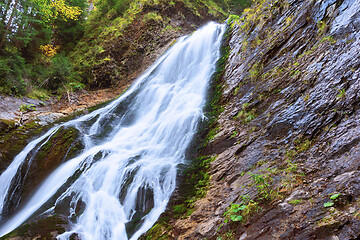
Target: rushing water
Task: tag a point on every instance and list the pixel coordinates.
(127, 169)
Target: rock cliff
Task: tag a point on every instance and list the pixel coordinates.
(287, 144)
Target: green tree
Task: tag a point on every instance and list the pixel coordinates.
(67, 33)
(26, 26)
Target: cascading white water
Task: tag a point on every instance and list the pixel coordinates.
(127, 169)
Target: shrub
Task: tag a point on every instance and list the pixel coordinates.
(243, 211)
(58, 73)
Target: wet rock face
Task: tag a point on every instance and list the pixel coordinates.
(41, 161)
(292, 113)
(348, 19)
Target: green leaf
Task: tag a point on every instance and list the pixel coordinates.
(236, 218)
(328, 204)
(335, 196)
(242, 207)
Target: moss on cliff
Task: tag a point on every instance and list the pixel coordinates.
(45, 229)
(20, 136)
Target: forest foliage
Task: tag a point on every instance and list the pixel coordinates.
(47, 46)
(36, 36)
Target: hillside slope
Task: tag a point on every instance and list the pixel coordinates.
(115, 50)
(118, 43)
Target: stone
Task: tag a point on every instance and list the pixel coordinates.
(305, 93)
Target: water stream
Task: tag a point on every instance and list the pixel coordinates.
(126, 172)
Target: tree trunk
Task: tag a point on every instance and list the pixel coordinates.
(8, 24)
(6, 11)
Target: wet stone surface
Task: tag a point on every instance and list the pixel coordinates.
(292, 112)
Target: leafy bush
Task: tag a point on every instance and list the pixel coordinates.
(58, 73)
(241, 212)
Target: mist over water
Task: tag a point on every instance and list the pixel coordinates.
(121, 182)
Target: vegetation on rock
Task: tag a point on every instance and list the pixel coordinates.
(113, 44)
(286, 141)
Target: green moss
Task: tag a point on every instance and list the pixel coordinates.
(301, 145)
(210, 135)
(21, 136)
(233, 19)
(6, 126)
(341, 94)
(322, 27)
(229, 235)
(43, 227)
(152, 16)
(171, 28)
(60, 147)
(329, 39)
(246, 115)
(288, 20)
(295, 201)
(273, 73)
(39, 94)
(215, 100)
(158, 231)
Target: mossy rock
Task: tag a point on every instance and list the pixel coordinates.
(63, 145)
(15, 140)
(6, 126)
(45, 229)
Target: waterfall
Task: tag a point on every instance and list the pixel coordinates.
(126, 172)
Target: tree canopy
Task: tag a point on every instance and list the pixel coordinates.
(39, 39)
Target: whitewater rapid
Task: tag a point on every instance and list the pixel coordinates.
(123, 178)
